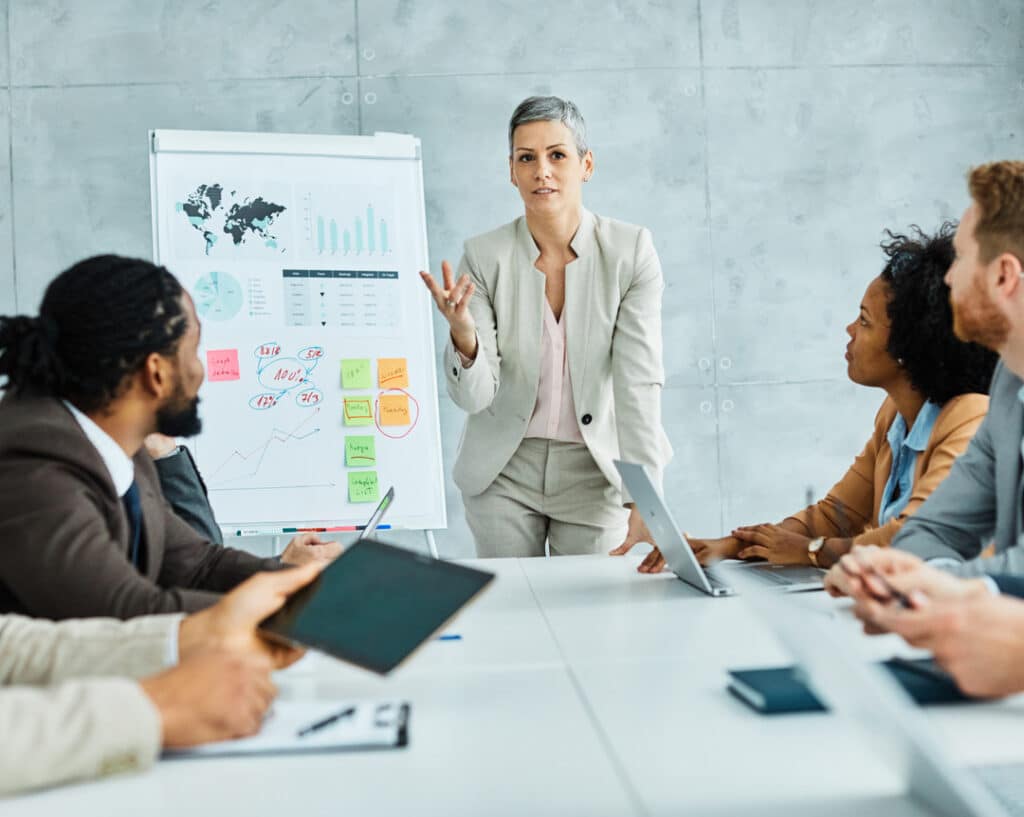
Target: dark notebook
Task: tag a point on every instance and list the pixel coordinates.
(780, 690)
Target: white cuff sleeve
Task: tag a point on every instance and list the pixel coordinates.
(171, 657)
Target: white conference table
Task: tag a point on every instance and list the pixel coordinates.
(579, 687)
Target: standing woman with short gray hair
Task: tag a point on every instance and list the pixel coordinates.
(555, 352)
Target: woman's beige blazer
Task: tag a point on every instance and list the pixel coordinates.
(612, 314)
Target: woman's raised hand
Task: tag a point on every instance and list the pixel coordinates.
(452, 301)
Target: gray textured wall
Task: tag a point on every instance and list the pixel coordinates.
(765, 142)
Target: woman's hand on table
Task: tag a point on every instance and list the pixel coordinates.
(636, 532)
(709, 551)
(774, 543)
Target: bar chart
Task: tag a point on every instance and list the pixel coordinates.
(336, 225)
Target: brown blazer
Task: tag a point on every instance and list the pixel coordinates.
(851, 507)
(64, 533)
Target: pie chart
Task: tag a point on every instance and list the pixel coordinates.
(218, 296)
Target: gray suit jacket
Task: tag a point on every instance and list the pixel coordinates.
(184, 489)
(81, 728)
(980, 501)
(64, 533)
(1010, 585)
(612, 317)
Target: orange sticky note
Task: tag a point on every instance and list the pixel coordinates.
(392, 373)
(394, 410)
(221, 365)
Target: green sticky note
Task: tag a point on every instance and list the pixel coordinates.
(355, 374)
(358, 411)
(360, 452)
(363, 487)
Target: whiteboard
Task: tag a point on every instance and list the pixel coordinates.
(301, 255)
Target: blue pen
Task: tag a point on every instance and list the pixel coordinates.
(450, 637)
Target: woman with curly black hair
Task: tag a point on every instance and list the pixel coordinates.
(902, 341)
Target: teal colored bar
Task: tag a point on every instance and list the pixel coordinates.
(383, 236)
(320, 233)
(371, 242)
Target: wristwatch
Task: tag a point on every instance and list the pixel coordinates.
(814, 547)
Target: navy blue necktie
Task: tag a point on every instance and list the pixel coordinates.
(133, 508)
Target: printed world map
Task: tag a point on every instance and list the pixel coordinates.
(245, 219)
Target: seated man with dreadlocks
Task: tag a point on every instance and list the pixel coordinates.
(84, 527)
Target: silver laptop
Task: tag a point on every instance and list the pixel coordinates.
(856, 689)
(680, 557)
(378, 516)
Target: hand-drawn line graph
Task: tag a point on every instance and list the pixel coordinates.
(246, 465)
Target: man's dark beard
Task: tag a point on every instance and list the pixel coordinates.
(177, 420)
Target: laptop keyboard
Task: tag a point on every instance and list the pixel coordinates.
(771, 576)
(780, 575)
(791, 574)
(1006, 782)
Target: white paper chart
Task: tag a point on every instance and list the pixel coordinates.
(301, 255)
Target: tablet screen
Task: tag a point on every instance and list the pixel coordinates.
(375, 604)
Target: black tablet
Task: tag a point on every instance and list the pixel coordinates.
(375, 604)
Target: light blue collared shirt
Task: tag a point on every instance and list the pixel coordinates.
(905, 448)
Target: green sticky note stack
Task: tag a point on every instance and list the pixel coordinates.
(360, 452)
(355, 374)
(363, 486)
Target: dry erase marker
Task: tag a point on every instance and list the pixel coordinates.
(315, 727)
(449, 637)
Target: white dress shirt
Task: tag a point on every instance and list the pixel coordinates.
(119, 464)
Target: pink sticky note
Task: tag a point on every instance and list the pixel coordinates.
(221, 365)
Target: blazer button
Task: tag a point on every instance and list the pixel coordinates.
(585, 419)
(455, 372)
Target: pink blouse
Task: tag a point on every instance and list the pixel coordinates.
(554, 415)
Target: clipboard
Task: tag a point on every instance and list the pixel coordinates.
(373, 725)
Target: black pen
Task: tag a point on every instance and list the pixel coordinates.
(894, 595)
(901, 598)
(314, 727)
